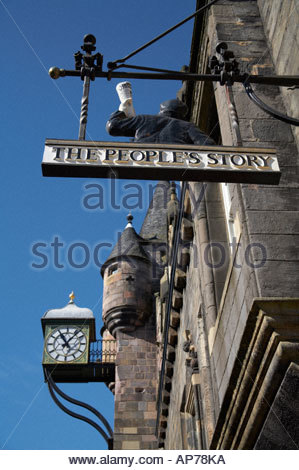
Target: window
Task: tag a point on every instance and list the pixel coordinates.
(188, 419)
(113, 269)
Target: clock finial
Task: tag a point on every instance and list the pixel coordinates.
(71, 296)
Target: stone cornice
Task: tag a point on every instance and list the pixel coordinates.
(269, 345)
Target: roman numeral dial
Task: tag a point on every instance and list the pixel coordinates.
(66, 344)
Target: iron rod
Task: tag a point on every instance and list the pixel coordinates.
(278, 80)
(77, 415)
(84, 108)
(79, 403)
(166, 32)
(272, 112)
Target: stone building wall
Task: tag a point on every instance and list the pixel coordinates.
(135, 389)
(281, 19)
(228, 314)
(233, 338)
(188, 322)
(267, 216)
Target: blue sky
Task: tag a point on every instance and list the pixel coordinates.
(36, 35)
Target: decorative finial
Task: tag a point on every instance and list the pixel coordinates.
(71, 296)
(129, 219)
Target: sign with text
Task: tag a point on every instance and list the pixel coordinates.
(86, 159)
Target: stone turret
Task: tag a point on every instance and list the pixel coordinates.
(127, 283)
(127, 309)
(131, 278)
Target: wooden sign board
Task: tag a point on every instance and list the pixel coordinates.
(85, 159)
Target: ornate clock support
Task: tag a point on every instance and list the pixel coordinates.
(68, 333)
(106, 435)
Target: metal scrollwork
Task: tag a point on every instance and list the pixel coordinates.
(106, 434)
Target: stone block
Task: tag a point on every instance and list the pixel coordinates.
(149, 438)
(215, 209)
(240, 32)
(151, 406)
(168, 369)
(166, 397)
(272, 130)
(150, 415)
(129, 417)
(270, 198)
(179, 279)
(183, 258)
(222, 10)
(128, 430)
(281, 428)
(130, 445)
(149, 445)
(217, 345)
(219, 287)
(164, 411)
(246, 109)
(285, 222)
(281, 44)
(217, 229)
(126, 406)
(221, 363)
(289, 177)
(247, 132)
(142, 406)
(174, 319)
(177, 300)
(247, 9)
(167, 384)
(270, 284)
(187, 230)
(274, 247)
(212, 193)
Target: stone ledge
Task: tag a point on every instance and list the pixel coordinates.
(269, 344)
(281, 428)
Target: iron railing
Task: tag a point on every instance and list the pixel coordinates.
(103, 350)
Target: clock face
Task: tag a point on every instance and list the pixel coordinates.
(66, 343)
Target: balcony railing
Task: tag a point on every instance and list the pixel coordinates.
(103, 350)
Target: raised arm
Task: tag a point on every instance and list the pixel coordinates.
(120, 124)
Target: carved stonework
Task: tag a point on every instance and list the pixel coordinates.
(268, 351)
(189, 348)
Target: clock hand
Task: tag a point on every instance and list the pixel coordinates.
(66, 342)
(74, 346)
(76, 332)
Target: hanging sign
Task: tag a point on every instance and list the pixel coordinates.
(85, 159)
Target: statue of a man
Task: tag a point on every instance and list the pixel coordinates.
(168, 126)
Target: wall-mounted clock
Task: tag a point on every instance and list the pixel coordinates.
(66, 343)
(68, 332)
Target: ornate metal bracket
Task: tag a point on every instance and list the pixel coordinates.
(226, 68)
(224, 65)
(268, 109)
(106, 435)
(87, 66)
(225, 71)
